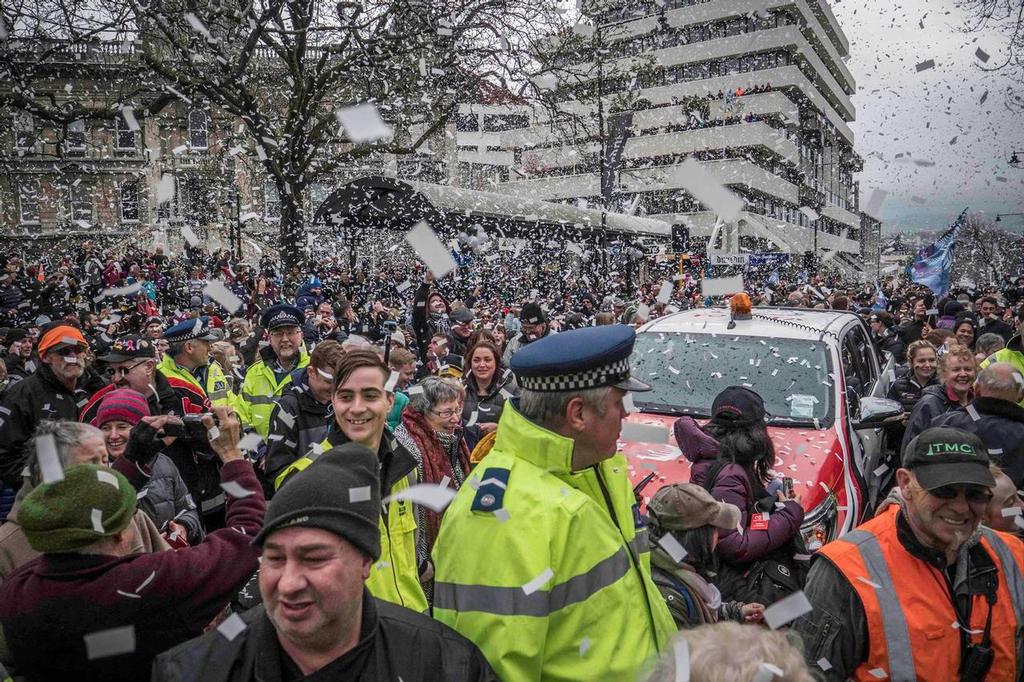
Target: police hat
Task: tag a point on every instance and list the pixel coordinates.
(281, 315)
(199, 329)
(578, 359)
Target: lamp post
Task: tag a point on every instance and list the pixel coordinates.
(999, 216)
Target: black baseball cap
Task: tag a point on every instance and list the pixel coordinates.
(738, 405)
(130, 347)
(942, 456)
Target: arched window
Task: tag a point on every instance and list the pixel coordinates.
(198, 129)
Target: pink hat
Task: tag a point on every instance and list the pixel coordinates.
(124, 405)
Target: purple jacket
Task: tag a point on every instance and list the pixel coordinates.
(50, 604)
(733, 486)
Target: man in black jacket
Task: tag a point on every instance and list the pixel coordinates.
(995, 417)
(317, 618)
(990, 322)
(885, 337)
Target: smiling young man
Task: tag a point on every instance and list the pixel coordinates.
(319, 544)
(361, 402)
(923, 590)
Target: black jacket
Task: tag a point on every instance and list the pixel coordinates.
(395, 643)
(890, 341)
(910, 331)
(934, 402)
(31, 400)
(297, 422)
(1000, 426)
(489, 405)
(996, 326)
(906, 389)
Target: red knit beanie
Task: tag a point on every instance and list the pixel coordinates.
(124, 405)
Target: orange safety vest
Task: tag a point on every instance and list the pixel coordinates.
(913, 633)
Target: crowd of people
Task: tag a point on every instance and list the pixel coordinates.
(213, 471)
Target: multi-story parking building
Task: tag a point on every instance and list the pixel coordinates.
(757, 92)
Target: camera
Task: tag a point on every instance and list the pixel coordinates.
(191, 429)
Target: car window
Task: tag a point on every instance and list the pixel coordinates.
(687, 371)
(858, 366)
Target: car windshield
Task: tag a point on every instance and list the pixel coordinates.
(688, 370)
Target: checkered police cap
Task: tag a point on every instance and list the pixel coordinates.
(605, 375)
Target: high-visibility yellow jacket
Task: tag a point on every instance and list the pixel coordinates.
(261, 389)
(217, 389)
(1013, 354)
(395, 576)
(548, 570)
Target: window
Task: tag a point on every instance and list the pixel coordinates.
(24, 131)
(130, 201)
(124, 137)
(75, 142)
(198, 129)
(467, 123)
(80, 202)
(28, 201)
(271, 201)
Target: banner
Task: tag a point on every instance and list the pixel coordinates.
(933, 263)
(753, 260)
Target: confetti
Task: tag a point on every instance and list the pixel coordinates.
(824, 664)
(165, 188)
(925, 65)
(644, 433)
(360, 494)
(97, 521)
(722, 286)
(681, 654)
(787, 610)
(766, 672)
(540, 581)
(49, 462)
(705, 188)
(232, 626)
(222, 295)
(879, 673)
(675, 550)
(430, 249)
(1010, 511)
(981, 55)
(430, 495)
(112, 642)
(362, 123)
(107, 477)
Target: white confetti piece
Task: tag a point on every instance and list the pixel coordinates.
(995, 451)
(1019, 521)
(675, 550)
(49, 462)
(644, 433)
(286, 418)
(665, 293)
(787, 610)
(880, 469)
(107, 477)
(982, 55)
(130, 595)
(721, 286)
(213, 433)
(165, 188)
(502, 515)
(129, 119)
(681, 654)
(392, 381)
(627, 403)
(878, 672)
(360, 494)
(189, 236)
(429, 495)
(584, 645)
(869, 582)
(97, 521)
(473, 416)
(875, 201)
(112, 642)
(766, 672)
(973, 412)
(707, 189)
(199, 27)
(235, 490)
(250, 441)
(1010, 511)
(824, 664)
(430, 249)
(925, 65)
(232, 626)
(146, 582)
(539, 582)
(362, 123)
(222, 295)
(811, 214)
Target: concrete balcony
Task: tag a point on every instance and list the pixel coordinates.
(757, 134)
(841, 215)
(789, 237)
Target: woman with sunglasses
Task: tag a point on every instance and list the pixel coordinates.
(957, 370)
(431, 431)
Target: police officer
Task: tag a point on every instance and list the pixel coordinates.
(542, 559)
(266, 379)
(922, 591)
(188, 358)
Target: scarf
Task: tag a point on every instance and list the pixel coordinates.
(438, 461)
(707, 597)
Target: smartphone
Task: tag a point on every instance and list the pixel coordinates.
(787, 487)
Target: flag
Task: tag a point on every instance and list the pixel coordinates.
(881, 302)
(933, 263)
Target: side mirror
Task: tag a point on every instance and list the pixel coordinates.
(876, 412)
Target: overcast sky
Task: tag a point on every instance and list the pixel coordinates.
(935, 115)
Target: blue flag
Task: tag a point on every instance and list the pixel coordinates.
(932, 264)
(881, 302)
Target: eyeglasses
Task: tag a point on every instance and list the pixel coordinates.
(69, 351)
(446, 414)
(972, 493)
(114, 371)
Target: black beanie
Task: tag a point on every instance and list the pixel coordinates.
(339, 492)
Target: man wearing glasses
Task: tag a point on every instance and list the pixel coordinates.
(51, 392)
(267, 378)
(131, 363)
(922, 591)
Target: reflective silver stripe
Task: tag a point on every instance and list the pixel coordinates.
(641, 542)
(218, 395)
(513, 601)
(897, 635)
(1015, 585)
(258, 399)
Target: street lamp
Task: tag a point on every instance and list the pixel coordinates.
(1015, 160)
(999, 216)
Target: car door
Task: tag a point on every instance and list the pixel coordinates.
(870, 444)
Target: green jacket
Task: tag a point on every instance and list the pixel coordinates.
(547, 570)
(260, 390)
(217, 388)
(1013, 354)
(395, 577)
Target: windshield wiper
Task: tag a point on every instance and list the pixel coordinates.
(672, 410)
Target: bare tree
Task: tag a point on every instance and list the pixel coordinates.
(985, 253)
(284, 68)
(1007, 18)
